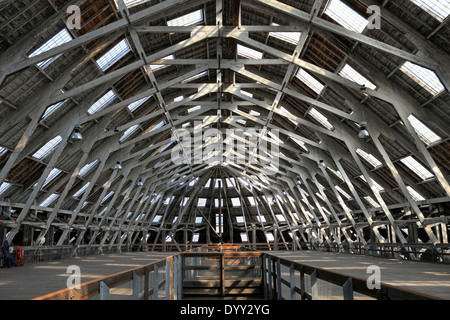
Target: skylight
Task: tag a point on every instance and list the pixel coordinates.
(236, 202)
(291, 37)
(425, 133)
(336, 173)
(321, 119)
(261, 218)
(157, 219)
(201, 202)
(115, 54)
(132, 3)
(47, 148)
(417, 168)
(372, 202)
(248, 53)
(133, 106)
(414, 194)
(196, 237)
(49, 200)
(102, 102)
(300, 143)
(251, 200)
(5, 186)
(240, 219)
(156, 67)
(129, 132)
(244, 237)
(60, 38)
(346, 16)
(189, 19)
(198, 220)
(378, 187)
(345, 194)
(424, 77)
(270, 236)
(284, 110)
(440, 9)
(369, 158)
(310, 81)
(87, 168)
(109, 195)
(52, 109)
(52, 175)
(351, 74)
(82, 190)
(197, 76)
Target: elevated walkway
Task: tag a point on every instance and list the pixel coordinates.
(227, 272)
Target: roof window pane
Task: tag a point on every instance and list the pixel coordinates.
(346, 16)
(351, 74)
(52, 175)
(49, 200)
(189, 19)
(133, 106)
(321, 119)
(424, 77)
(155, 67)
(291, 37)
(129, 132)
(415, 195)
(369, 158)
(47, 148)
(52, 109)
(417, 168)
(5, 186)
(131, 3)
(82, 190)
(87, 168)
(236, 202)
(102, 102)
(425, 133)
(115, 54)
(372, 202)
(345, 194)
(248, 53)
(440, 9)
(60, 38)
(310, 81)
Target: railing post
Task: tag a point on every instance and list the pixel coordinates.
(314, 286)
(180, 278)
(292, 281)
(348, 289)
(222, 274)
(264, 275)
(175, 278)
(269, 276)
(167, 282)
(136, 286)
(146, 284)
(302, 283)
(278, 278)
(155, 283)
(104, 291)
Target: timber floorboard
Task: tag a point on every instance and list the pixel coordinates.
(425, 277)
(37, 279)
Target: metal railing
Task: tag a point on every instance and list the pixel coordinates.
(274, 281)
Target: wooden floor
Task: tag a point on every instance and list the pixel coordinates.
(429, 278)
(34, 280)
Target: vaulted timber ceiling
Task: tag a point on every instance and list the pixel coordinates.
(136, 71)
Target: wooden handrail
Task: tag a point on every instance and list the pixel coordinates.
(359, 284)
(92, 288)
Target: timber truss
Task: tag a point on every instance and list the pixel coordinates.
(232, 68)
